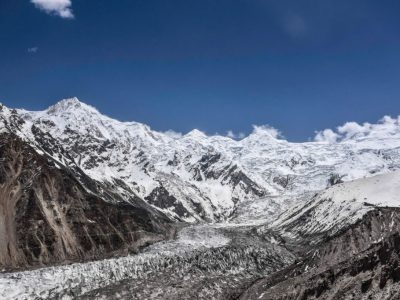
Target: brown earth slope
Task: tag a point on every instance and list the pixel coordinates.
(48, 217)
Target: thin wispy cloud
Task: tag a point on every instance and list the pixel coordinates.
(236, 136)
(61, 8)
(295, 25)
(33, 49)
(173, 134)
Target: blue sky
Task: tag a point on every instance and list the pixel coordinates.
(215, 65)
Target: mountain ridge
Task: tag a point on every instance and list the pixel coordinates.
(206, 177)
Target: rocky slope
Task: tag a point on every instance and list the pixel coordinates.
(326, 213)
(347, 242)
(361, 262)
(51, 212)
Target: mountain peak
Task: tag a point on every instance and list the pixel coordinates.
(263, 133)
(74, 101)
(68, 105)
(195, 133)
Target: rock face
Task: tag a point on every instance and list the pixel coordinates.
(48, 217)
(346, 239)
(359, 262)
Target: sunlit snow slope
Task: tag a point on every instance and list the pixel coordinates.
(339, 206)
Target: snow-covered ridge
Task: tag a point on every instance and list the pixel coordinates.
(340, 205)
(198, 177)
(387, 127)
(380, 190)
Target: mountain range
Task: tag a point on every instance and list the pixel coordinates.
(196, 177)
(77, 185)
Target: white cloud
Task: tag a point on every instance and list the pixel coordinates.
(327, 135)
(386, 127)
(273, 132)
(352, 129)
(33, 49)
(61, 8)
(235, 136)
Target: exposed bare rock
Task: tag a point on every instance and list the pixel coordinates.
(162, 199)
(361, 262)
(47, 216)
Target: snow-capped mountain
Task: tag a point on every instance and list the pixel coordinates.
(198, 177)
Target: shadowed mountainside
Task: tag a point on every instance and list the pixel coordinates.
(48, 217)
(360, 262)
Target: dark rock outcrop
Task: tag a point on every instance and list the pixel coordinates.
(161, 198)
(47, 216)
(360, 262)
